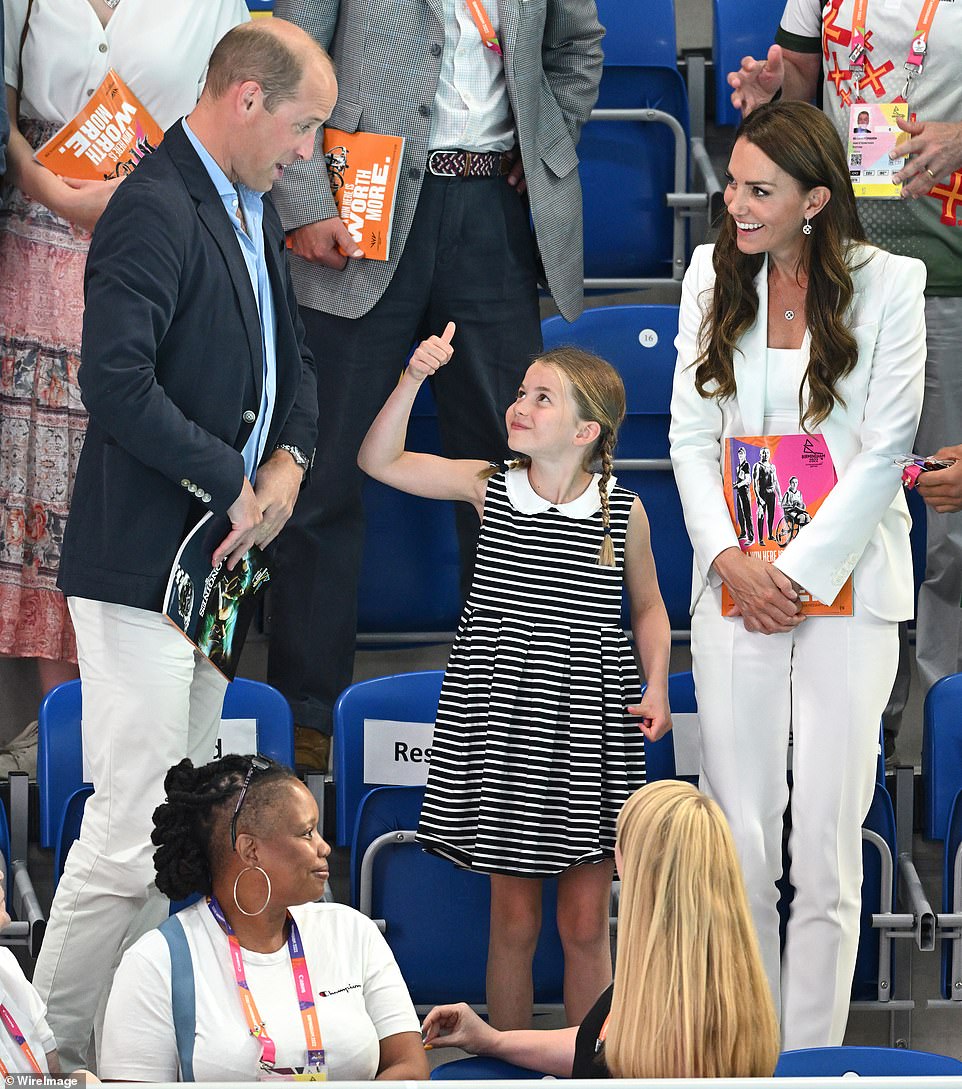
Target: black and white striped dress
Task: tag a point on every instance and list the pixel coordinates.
(534, 753)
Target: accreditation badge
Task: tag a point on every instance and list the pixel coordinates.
(872, 134)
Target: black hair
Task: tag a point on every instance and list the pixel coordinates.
(191, 828)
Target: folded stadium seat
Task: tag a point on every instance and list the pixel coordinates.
(878, 1062)
(255, 716)
(434, 916)
(639, 342)
(370, 719)
(633, 236)
(740, 30)
(942, 792)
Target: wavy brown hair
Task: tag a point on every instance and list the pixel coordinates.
(800, 140)
(599, 397)
(691, 999)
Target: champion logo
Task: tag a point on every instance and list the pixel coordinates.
(340, 990)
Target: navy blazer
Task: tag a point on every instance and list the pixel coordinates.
(171, 373)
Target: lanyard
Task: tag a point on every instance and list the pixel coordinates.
(302, 985)
(917, 48)
(19, 1039)
(485, 27)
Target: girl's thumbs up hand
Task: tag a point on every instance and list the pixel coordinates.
(431, 354)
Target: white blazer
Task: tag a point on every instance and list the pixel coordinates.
(863, 525)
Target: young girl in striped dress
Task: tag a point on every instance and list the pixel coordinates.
(540, 730)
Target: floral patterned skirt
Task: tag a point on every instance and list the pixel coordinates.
(42, 420)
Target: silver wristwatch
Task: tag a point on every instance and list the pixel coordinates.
(301, 459)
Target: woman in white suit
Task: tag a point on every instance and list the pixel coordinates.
(792, 323)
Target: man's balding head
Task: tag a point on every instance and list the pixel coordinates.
(270, 52)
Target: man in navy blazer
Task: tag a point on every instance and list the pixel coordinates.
(202, 397)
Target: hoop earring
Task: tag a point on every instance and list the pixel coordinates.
(263, 908)
(807, 228)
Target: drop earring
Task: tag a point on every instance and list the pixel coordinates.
(807, 227)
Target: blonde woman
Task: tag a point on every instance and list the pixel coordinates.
(690, 998)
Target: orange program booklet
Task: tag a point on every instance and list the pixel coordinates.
(774, 486)
(106, 139)
(364, 168)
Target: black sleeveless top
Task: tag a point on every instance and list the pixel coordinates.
(589, 1062)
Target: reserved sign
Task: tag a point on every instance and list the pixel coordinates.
(396, 753)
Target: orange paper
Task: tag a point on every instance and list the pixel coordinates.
(106, 139)
(364, 168)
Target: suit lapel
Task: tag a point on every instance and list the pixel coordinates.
(509, 17)
(214, 216)
(436, 8)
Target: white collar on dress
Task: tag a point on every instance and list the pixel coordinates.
(527, 501)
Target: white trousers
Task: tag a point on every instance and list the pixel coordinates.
(148, 701)
(828, 681)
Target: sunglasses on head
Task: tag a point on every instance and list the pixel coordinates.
(258, 763)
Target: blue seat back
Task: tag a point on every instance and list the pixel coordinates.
(941, 753)
(410, 568)
(953, 841)
(627, 167)
(740, 30)
(430, 904)
(881, 820)
(5, 852)
(481, 1068)
(638, 341)
(60, 750)
(69, 828)
(827, 1062)
(260, 7)
(403, 697)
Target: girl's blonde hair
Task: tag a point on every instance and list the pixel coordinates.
(599, 397)
(691, 999)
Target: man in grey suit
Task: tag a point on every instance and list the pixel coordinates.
(490, 96)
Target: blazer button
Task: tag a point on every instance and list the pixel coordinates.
(249, 417)
(424, 111)
(185, 483)
(435, 50)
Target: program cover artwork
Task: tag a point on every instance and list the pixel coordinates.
(774, 486)
(212, 606)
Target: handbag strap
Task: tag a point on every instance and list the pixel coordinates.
(23, 39)
(182, 999)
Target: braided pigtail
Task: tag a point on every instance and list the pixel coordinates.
(606, 447)
(521, 462)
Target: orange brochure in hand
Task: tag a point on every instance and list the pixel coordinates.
(106, 139)
(364, 168)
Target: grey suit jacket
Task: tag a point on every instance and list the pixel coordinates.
(387, 74)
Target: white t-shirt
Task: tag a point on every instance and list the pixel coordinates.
(359, 995)
(160, 48)
(29, 1012)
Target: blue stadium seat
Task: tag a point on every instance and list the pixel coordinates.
(481, 1068)
(869, 1062)
(628, 166)
(410, 568)
(740, 30)
(60, 779)
(403, 697)
(429, 904)
(941, 753)
(638, 341)
(260, 7)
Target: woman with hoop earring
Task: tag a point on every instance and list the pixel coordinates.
(282, 985)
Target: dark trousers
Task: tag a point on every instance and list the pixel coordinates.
(469, 258)
(766, 506)
(743, 502)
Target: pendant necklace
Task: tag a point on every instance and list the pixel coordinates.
(111, 3)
